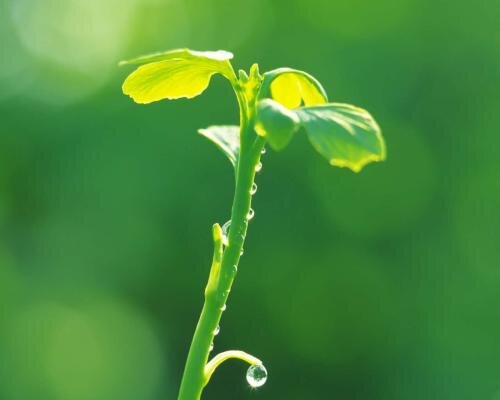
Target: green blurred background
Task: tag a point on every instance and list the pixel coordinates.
(379, 285)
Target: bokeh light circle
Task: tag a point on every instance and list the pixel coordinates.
(98, 351)
(357, 19)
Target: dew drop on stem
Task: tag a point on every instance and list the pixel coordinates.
(211, 347)
(225, 233)
(258, 167)
(223, 308)
(253, 190)
(256, 375)
(224, 295)
(251, 214)
(263, 151)
(216, 330)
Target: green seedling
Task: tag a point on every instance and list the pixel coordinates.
(274, 107)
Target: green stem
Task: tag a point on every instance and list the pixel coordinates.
(193, 379)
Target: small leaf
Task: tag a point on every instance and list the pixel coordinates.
(276, 123)
(175, 74)
(346, 135)
(226, 138)
(293, 88)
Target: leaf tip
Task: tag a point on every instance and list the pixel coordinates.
(359, 165)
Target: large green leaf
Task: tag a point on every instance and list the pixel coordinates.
(293, 88)
(226, 138)
(345, 135)
(276, 123)
(175, 74)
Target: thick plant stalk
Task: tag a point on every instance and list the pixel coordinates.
(194, 380)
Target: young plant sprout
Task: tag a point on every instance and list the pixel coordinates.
(274, 107)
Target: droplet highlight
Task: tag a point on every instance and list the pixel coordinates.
(223, 308)
(256, 375)
(225, 233)
(253, 190)
(250, 214)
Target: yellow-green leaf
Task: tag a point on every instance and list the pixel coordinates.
(293, 88)
(345, 135)
(175, 74)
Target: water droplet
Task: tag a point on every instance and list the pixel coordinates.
(241, 252)
(235, 267)
(263, 151)
(256, 375)
(212, 347)
(251, 214)
(225, 227)
(225, 233)
(258, 167)
(253, 190)
(216, 330)
(223, 308)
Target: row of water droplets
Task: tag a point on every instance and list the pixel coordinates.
(251, 212)
(253, 190)
(215, 333)
(256, 375)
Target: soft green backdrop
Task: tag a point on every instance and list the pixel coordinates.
(380, 285)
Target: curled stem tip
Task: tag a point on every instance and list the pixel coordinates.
(212, 365)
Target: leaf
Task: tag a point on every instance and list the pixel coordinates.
(226, 138)
(293, 88)
(276, 123)
(175, 74)
(220, 55)
(345, 135)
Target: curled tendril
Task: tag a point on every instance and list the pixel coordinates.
(212, 365)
